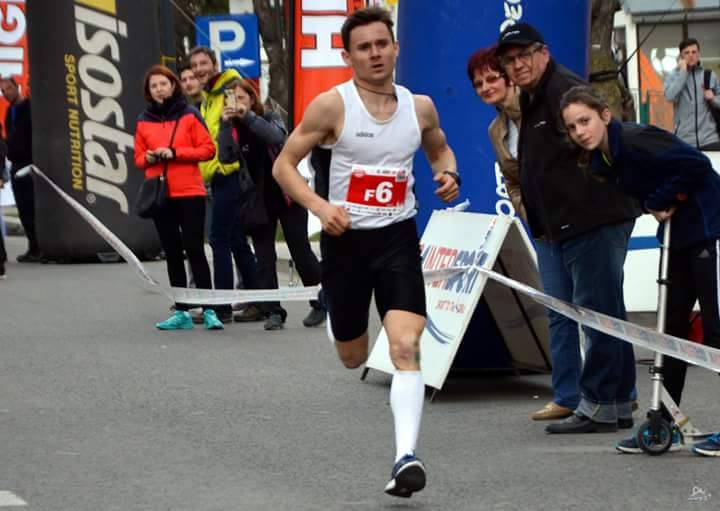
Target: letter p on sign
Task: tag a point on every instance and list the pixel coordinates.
(228, 36)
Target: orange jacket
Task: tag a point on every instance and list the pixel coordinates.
(191, 145)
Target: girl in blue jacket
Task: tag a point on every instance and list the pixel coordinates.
(670, 179)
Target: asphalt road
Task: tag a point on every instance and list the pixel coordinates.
(99, 411)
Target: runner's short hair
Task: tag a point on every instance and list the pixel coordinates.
(363, 17)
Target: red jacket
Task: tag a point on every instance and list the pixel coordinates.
(192, 144)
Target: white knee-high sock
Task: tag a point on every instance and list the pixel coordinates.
(407, 394)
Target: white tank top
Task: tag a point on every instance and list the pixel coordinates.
(371, 163)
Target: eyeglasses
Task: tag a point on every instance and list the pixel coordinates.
(523, 56)
(490, 80)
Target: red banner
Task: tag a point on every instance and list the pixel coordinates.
(13, 48)
(317, 60)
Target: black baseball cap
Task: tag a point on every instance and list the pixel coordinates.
(520, 34)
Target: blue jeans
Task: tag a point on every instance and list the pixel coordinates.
(595, 262)
(564, 336)
(227, 238)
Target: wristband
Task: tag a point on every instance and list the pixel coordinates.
(454, 175)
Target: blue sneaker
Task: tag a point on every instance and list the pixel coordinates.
(211, 320)
(631, 446)
(408, 476)
(709, 446)
(180, 320)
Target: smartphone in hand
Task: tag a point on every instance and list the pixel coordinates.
(230, 99)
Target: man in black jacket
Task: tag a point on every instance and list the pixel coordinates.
(18, 132)
(586, 223)
(3, 179)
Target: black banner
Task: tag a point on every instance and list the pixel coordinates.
(87, 62)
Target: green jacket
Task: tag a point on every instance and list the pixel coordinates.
(211, 110)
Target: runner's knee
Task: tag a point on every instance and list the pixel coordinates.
(405, 349)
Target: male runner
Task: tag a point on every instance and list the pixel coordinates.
(365, 202)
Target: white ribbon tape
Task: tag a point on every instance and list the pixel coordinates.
(224, 296)
(691, 352)
(103, 231)
(181, 295)
(202, 296)
(676, 347)
(443, 273)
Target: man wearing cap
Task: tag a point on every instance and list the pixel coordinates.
(587, 225)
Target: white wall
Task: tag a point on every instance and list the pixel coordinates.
(641, 266)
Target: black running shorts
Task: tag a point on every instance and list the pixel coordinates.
(359, 262)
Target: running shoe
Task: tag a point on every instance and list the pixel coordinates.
(181, 320)
(211, 320)
(631, 446)
(708, 447)
(408, 477)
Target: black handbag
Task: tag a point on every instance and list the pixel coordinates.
(253, 212)
(714, 111)
(247, 184)
(153, 192)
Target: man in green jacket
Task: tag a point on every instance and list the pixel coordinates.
(227, 238)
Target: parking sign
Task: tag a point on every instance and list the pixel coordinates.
(235, 39)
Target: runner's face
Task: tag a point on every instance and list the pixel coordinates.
(203, 68)
(585, 126)
(160, 88)
(372, 52)
(190, 84)
(490, 86)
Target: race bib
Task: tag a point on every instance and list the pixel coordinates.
(376, 191)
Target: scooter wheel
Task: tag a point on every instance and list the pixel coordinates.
(655, 437)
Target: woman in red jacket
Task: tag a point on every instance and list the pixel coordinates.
(171, 133)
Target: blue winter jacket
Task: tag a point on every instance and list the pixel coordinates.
(661, 171)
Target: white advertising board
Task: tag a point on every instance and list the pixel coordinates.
(471, 239)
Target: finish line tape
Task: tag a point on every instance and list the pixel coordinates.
(201, 296)
(675, 347)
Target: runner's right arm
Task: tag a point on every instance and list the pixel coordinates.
(317, 126)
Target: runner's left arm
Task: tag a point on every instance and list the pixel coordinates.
(439, 154)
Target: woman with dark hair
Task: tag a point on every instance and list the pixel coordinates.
(254, 135)
(671, 179)
(494, 88)
(171, 138)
